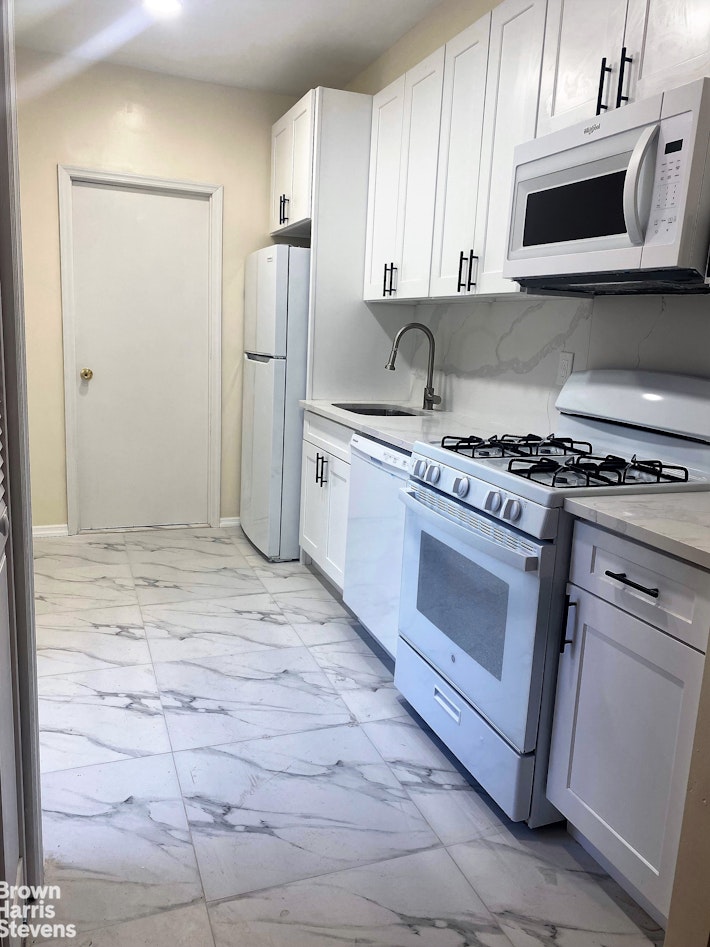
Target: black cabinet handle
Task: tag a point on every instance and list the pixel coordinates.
(622, 69)
(281, 208)
(600, 93)
(384, 281)
(461, 282)
(323, 462)
(286, 201)
(391, 291)
(471, 282)
(319, 474)
(621, 577)
(565, 641)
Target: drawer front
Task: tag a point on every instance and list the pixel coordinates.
(335, 438)
(665, 592)
(504, 774)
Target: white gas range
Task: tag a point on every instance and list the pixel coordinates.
(486, 558)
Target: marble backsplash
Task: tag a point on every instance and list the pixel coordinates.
(502, 355)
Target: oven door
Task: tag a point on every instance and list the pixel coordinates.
(475, 603)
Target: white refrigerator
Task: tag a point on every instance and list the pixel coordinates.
(275, 352)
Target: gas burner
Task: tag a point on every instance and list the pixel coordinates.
(588, 470)
(516, 445)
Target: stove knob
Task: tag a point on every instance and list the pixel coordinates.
(512, 510)
(493, 501)
(433, 473)
(461, 485)
(419, 468)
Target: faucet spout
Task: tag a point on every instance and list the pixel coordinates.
(430, 396)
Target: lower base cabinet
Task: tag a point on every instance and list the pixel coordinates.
(325, 481)
(627, 700)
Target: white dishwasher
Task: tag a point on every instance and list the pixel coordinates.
(375, 539)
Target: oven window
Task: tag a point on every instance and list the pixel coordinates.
(465, 601)
(577, 211)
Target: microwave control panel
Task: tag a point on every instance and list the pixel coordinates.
(673, 158)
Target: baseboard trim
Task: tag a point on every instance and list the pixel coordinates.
(226, 522)
(45, 532)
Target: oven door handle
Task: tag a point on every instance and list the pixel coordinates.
(510, 557)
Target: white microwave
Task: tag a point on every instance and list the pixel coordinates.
(618, 204)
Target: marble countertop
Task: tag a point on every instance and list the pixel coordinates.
(677, 523)
(403, 432)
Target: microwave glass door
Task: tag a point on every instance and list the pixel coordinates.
(593, 197)
(474, 609)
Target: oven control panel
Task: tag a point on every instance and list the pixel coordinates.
(526, 515)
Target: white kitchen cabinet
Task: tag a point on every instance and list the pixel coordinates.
(325, 483)
(417, 178)
(666, 42)
(383, 191)
(510, 118)
(292, 167)
(627, 699)
(403, 163)
(457, 188)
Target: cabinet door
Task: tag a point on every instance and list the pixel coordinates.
(627, 698)
(383, 188)
(302, 124)
(459, 158)
(669, 43)
(577, 36)
(337, 475)
(314, 503)
(281, 166)
(510, 117)
(417, 181)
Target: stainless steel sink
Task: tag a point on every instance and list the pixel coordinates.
(379, 410)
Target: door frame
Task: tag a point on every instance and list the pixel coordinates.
(68, 176)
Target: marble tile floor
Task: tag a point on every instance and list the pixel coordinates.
(226, 763)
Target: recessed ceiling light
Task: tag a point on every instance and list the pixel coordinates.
(162, 9)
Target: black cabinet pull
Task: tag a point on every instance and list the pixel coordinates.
(600, 93)
(471, 282)
(323, 462)
(319, 460)
(565, 641)
(622, 69)
(286, 201)
(461, 282)
(391, 291)
(281, 208)
(621, 577)
(384, 281)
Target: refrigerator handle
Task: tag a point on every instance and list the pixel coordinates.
(250, 357)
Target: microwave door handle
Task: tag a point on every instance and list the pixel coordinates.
(635, 227)
(516, 559)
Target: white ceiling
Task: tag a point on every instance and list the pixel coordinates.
(285, 46)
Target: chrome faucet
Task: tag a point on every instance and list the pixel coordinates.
(430, 397)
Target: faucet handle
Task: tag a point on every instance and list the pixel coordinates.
(430, 398)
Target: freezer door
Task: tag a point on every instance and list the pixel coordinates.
(262, 451)
(266, 301)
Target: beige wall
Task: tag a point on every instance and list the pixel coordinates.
(118, 119)
(445, 21)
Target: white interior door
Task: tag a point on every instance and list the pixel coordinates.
(139, 272)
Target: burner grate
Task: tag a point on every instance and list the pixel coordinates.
(588, 470)
(515, 445)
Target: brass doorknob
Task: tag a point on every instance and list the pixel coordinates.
(86, 374)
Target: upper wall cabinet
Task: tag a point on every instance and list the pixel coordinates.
(453, 264)
(403, 162)
(292, 168)
(385, 154)
(509, 118)
(600, 55)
